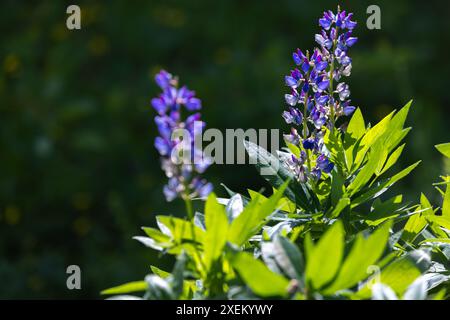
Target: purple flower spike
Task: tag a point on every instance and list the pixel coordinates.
(317, 88)
(181, 171)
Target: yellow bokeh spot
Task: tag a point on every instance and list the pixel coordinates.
(12, 215)
(81, 201)
(60, 32)
(90, 13)
(169, 16)
(11, 63)
(98, 45)
(81, 226)
(222, 56)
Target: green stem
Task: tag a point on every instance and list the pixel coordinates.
(189, 209)
(305, 129)
(332, 111)
(190, 216)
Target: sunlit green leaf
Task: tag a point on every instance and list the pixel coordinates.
(364, 253)
(356, 127)
(444, 148)
(258, 277)
(383, 186)
(325, 258)
(129, 287)
(247, 223)
(368, 170)
(216, 222)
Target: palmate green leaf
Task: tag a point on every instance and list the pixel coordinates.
(384, 153)
(253, 216)
(364, 253)
(393, 158)
(129, 287)
(382, 211)
(395, 129)
(389, 132)
(325, 257)
(444, 148)
(276, 174)
(258, 277)
(391, 138)
(398, 138)
(414, 226)
(333, 141)
(216, 222)
(180, 230)
(371, 136)
(383, 186)
(441, 221)
(356, 127)
(417, 222)
(366, 173)
(435, 227)
(352, 137)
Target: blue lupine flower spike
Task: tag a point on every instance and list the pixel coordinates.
(183, 172)
(317, 83)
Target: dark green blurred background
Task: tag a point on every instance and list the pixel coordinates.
(79, 174)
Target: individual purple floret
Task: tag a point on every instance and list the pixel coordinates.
(317, 96)
(181, 170)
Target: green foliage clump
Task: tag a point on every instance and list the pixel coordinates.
(330, 239)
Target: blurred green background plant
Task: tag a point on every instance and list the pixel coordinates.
(79, 173)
